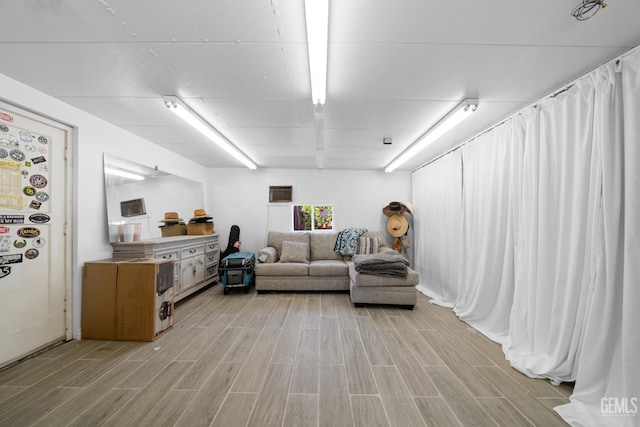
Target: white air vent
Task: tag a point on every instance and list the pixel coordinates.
(280, 193)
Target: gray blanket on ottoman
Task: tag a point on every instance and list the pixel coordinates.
(381, 264)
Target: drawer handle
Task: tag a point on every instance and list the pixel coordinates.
(192, 251)
(167, 256)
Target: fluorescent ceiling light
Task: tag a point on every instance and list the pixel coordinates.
(455, 116)
(188, 115)
(317, 16)
(320, 158)
(123, 174)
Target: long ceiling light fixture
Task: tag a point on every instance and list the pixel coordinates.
(123, 174)
(179, 108)
(317, 18)
(454, 117)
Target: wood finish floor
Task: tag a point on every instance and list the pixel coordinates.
(283, 359)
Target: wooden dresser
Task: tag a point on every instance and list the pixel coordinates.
(195, 259)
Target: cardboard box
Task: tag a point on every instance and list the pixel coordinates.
(173, 230)
(200, 228)
(130, 300)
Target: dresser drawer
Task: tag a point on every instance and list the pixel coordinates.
(211, 271)
(211, 247)
(173, 254)
(211, 258)
(192, 251)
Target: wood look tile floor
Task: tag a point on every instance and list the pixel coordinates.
(283, 359)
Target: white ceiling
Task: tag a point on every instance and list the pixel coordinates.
(395, 68)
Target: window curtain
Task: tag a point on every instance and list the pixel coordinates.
(436, 195)
(548, 240)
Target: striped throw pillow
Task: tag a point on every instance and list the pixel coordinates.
(367, 245)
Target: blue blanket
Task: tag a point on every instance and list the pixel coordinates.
(348, 240)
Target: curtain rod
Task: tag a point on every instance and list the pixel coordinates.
(534, 104)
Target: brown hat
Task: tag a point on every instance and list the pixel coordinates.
(200, 213)
(397, 225)
(170, 217)
(394, 208)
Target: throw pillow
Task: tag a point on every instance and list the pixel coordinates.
(268, 254)
(367, 245)
(294, 252)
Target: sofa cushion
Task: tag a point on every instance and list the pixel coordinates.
(275, 238)
(322, 246)
(282, 269)
(268, 254)
(328, 268)
(294, 252)
(367, 245)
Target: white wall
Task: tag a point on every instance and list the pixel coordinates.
(93, 137)
(241, 197)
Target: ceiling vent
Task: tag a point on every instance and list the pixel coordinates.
(280, 193)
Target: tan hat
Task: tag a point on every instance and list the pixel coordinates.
(397, 208)
(397, 225)
(171, 217)
(200, 213)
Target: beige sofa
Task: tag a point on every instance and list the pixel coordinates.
(305, 261)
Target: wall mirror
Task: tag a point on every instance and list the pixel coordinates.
(138, 197)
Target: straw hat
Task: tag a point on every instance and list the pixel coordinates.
(170, 217)
(397, 225)
(200, 213)
(394, 208)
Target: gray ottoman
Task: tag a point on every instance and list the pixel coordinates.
(373, 289)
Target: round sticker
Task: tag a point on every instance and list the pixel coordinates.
(30, 147)
(38, 242)
(38, 181)
(42, 150)
(41, 196)
(3, 153)
(4, 128)
(29, 191)
(31, 253)
(43, 140)
(39, 218)
(16, 155)
(20, 243)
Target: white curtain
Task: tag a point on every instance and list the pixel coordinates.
(437, 197)
(490, 198)
(560, 212)
(547, 244)
(607, 390)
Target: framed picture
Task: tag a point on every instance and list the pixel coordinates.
(133, 207)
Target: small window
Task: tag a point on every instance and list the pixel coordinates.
(312, 217)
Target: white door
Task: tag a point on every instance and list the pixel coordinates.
(35, 273)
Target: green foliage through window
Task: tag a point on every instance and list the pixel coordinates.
(312, 217)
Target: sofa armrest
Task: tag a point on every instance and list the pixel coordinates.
(268, 255)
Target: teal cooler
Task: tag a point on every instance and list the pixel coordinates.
(237, 271)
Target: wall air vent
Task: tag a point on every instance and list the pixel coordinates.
(280, 193)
